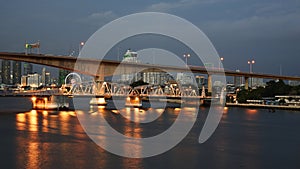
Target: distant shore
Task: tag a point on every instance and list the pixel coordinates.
(262, 106)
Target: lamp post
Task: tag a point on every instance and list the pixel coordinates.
(186, 58)
(80, 46)
(250, 63)
(220, 61)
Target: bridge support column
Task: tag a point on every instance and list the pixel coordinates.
(246, 83)
(99, 85)
(209, 83)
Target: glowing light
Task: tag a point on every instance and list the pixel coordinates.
(33, 99)
(79, 112)
(33, 112)
(225, 110)
(71, 113)
(21, 121)
(101, 108)
(142, 111)
(45, 113)
(251, 111)
(116, 111)
(177, 109)
(160, 110)
(101, 100)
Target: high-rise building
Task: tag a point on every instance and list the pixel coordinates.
(24, 80)
(156, 78)
(43, 77)
(256, 82)
(185, 78)
(27, 68)
(293, 83)
(152, 78)
(47, 79)
(238, 80)
(16, 72)
(128, 78)
(0, 71)
(130, 56)
(6, 74)
(33, 80)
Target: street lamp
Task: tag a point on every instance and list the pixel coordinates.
(80, 46)
(186, 58)
(220, 61)
(250, 63)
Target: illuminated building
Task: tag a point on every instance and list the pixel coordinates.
(5, 73)
(16, 72)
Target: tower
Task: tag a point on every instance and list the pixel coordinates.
(6, 76)
(16, 72)
(27, 68)
(43, 77)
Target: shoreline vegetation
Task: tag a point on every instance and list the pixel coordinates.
(273, 88)
(274, 95)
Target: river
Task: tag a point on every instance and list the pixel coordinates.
(245, 138)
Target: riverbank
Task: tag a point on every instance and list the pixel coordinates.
(262, 106)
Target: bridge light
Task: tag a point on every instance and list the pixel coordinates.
(251, 62)
(186, 56)
(27, 46)
(33, 99)
(80, 46)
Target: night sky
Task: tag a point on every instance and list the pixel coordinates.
(267, 31)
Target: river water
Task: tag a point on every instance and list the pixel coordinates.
(245, 138)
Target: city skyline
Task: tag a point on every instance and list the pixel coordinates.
(160, 98)
(18, 73)
(266, 31)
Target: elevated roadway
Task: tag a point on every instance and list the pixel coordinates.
(101, 68)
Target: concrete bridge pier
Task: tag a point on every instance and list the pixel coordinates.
(99, 85)
(209, 83)
(246, 82)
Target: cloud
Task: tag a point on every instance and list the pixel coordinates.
(102, 15)
(180, 4)
(99, 18)
(168, 6)
(266, 22)
(162, 7)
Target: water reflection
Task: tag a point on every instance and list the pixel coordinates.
(251, 114)
(139, 115)
(120, 131)
(54, 137)
(244, 139)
